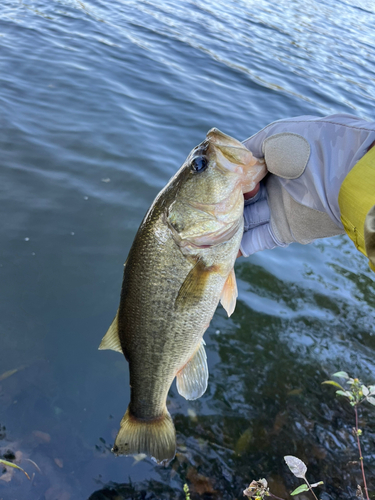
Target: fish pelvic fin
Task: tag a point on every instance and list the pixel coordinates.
(111, 339)
(192, 379)
(229, 294)
(156, 437)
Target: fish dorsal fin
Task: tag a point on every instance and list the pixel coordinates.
(111, 339)
(230, 293)
(193, 378)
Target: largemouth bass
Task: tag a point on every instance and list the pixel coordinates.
(178, 269)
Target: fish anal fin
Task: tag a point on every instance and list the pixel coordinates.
(193, 288)
(229, 294)
(192, 379)
(111, 339)
(156, 437)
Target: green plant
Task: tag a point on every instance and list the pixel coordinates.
(11, 464)
(187, 492)
(299, 469)
(258, 490)
(356, 393)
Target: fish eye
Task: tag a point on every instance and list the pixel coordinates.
(199, 164)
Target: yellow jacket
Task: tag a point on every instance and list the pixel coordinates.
(357, 205)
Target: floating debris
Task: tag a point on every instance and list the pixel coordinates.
(43, 436)
(59, 462)
(192, 414)
(14, 466)
(9, 373)
(34, 464)
(138, 458)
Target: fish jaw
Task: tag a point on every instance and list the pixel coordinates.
(235, 157)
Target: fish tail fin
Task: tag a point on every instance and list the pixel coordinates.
(156, 437)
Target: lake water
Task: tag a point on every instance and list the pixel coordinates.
(101, 101)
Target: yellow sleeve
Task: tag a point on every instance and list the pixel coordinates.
(357, 205)
(370, 236)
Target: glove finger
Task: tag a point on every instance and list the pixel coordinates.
(256, 214)
(257, 239)
(254, 143)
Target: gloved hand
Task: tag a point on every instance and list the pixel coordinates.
(307, 158)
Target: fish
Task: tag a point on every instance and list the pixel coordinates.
(180, 265)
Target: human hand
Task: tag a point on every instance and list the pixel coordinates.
(308, 158)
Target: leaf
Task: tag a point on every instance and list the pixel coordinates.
(371, 400)
(263, 482)
(296, 466)
(316, 484)
(300, 489)
(34, 464)
(11, 464)
(372, 389)
(332, 382)
(365, 390)
(347, 394)
(340, 375)
(9, 373)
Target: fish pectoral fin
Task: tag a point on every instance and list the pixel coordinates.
(192, 380)
(229, 294)
(193, 288)
(111, 339)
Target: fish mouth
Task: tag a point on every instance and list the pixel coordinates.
(227, 152)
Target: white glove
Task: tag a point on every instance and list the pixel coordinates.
(307, 158)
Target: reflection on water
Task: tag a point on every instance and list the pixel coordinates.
(100, 104)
